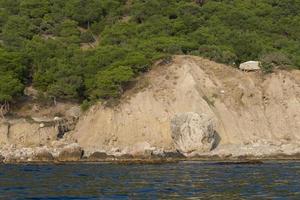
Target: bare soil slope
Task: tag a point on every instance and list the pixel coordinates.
(251, 109)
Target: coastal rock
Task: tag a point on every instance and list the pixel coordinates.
(99, 156)
(166, 154)
(260, 149)
(43, 155)
(125, 156)
(10, 158)
(1, 158)
(193, 132)
(139, 149)
(172, 154)
(18, 155)
(70, 153)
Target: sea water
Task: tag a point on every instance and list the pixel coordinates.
(183, 180)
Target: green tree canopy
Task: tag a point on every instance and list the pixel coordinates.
(10, 87)
(90, 49)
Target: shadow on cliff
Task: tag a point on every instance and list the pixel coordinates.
(217, 140)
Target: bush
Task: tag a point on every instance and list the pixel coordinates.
(266, 67)
(274, 60)
(109, 82)
(215, 53)
(44, 99)
(66, 88)
(87, 37)
(10, 87)
(85, 105)
(136, 60)
(68, 32)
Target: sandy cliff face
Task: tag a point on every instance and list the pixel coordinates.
(252, 111)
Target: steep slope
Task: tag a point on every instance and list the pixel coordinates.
(254, 113)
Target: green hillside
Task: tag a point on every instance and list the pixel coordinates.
(90, 49)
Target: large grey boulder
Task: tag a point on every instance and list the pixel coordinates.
(193, 133)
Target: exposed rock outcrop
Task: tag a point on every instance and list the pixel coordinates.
(71, 153)
(16, 155)
(170, 154)
(1, 158)
(74, 112)
(250, 66)
(43, 155)
(34, 132)
(260, 149)
(23, 133)
(99, 156)
(193, 133)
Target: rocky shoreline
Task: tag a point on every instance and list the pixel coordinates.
(73, 153)
(117, 160)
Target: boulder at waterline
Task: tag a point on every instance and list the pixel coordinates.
(193, 133)
(43, 155)
(70, 153)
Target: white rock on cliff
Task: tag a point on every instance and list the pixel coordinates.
(193, 133)
(250, 66)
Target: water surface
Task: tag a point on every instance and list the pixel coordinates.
(185, 180)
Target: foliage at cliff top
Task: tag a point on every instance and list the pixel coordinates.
(90, 49)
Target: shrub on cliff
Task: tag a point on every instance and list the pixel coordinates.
(87, 37)
(274, 60)
(12, 75)
(216, 53)
(109, 82)
(10, 87)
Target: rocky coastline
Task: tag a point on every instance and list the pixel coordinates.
(73, 153)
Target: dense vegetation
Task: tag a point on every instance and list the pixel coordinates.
(90, 49)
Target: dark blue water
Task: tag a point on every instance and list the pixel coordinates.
(185, 180)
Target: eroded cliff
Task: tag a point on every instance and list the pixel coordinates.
(255, 113)
(251, 114)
